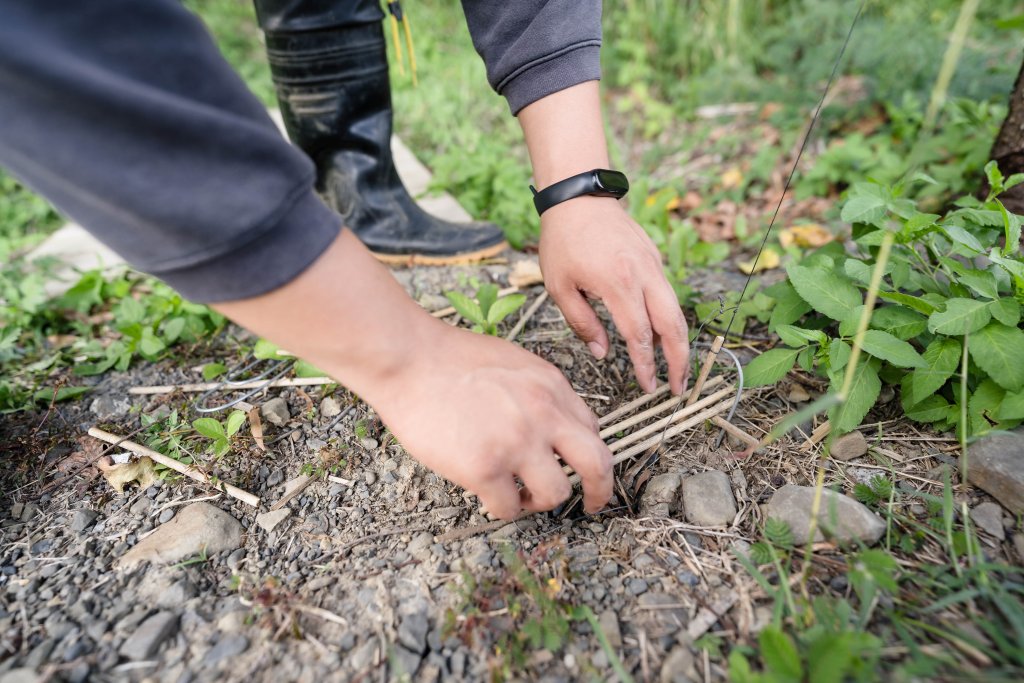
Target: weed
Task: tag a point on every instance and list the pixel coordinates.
(220, 432)
(488, 309)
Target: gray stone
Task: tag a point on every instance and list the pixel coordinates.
(708, 499)
(235, 559)
(419, 546)
(406, 662)
(197, 528)
(275, 411)
(268, 521)
(109, 407)
(989, 518)
(329, 407)
(412, 632)
(227, 647)
(844, 518)
(369, 443)
(83, 519)
(609, 623)
(636, 586)
(147, 638)
(996, 464)
(661, 495)
(363, 656)
(20, 675)
(678, 666)
(370, 477)
(1018, 546)
(141, 506)
(166, 516)
(849, 446)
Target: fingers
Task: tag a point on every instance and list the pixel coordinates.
(583, 321)
(592, 460)
(500, 496)
(669, 325)
(545, 484)
(630, 313)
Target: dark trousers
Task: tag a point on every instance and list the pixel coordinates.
(292, 16)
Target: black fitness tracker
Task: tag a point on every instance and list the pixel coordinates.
(597, 183)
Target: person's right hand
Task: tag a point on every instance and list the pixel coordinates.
(483, 413)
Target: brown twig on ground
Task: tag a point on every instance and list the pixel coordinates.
(470, 531)
(632, 405)
(671, 418)
(662, 407)
(819, 433)
(173, 464)
(534, 307)
(298, 485)
(209, 386)
(705, 370)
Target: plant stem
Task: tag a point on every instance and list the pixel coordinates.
(963, 415)
(949, 61)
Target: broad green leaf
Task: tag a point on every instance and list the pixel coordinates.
(1010, 265)
(789, 306)
(213, 370)
(1006, 311)
(981, 281)
(1013, 181)
(1011, 228)
(983, 407)
(63, 394)
(902, 323)
(486, 295)
(857, 271)
(961, 316)
(466, 307)
(826, 291)
(769, 367)
(173, 329)
(838, 355)
(504, 307)
(960, 235)
(798, 336)
(864, 392)
(220, 446)
(994, 176)
(780, 654)
(806, 359)
(848, 326)
(265, 350)
(863, 209)
(916, 303)
(887, 347)
(150, 344)
(128, 312)
(234, 422)
(999, 350)
(1013, 406)
(209, 427)
(931, 409)
(942, 358)
(306, 369)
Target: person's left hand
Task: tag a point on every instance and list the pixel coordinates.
(590, 247)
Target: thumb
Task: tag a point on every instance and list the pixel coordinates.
(583, 321)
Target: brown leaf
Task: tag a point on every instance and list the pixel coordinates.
(256, 427)
(809, 235)
(769, 259)
(142, 472)
(525, 273)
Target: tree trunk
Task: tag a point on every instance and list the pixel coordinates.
(1008, 149)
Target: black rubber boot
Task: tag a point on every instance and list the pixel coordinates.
(335, 97)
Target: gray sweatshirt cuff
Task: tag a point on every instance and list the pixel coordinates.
(563, 69)
(270, 259)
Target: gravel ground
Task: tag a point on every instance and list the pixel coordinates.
(359, 578)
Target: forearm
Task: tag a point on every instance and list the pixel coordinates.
(565, 133)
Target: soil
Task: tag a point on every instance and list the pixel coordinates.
(359, 582)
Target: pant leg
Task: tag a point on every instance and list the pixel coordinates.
(310, 15)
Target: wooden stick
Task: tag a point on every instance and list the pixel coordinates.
(207, 386)
(819, 433)
(670, 419)
(445, 312)
(667, 434)
(736, 431)
(526, 316)
(633, 405)
(705, 370)
(298, 485)
(173, 464)
(662, 407)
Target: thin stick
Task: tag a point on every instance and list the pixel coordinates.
(705, 369)
(736, 431)
(668, 434)
(526, 316)
(445, 312)
(651, 412)
(298, 485)
(209, 386)
(633, 405)
(670, 419)
(173, 464)
(819, 433)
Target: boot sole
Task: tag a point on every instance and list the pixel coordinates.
(452, 260)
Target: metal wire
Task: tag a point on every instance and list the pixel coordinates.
(277, 370)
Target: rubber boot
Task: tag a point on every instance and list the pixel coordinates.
(335, 97)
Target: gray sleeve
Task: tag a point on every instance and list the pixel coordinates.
(533, 48)
(126, 117)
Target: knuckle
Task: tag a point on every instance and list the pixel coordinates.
(643, 338)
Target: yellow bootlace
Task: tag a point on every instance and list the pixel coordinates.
(399, 17)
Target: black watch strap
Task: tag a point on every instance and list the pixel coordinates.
(597, 183)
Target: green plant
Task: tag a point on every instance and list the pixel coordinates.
(488, 309)
(952, 282)
(220, 432)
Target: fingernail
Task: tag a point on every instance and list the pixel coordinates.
(596, 349)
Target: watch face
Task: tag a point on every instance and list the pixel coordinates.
(613, 181)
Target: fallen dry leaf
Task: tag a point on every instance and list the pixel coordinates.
(525, 273)
(798, 394)
(769, 259)
(809, 235)
(256, 427)
(732, 178)
(690, 201)
(142, 471)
